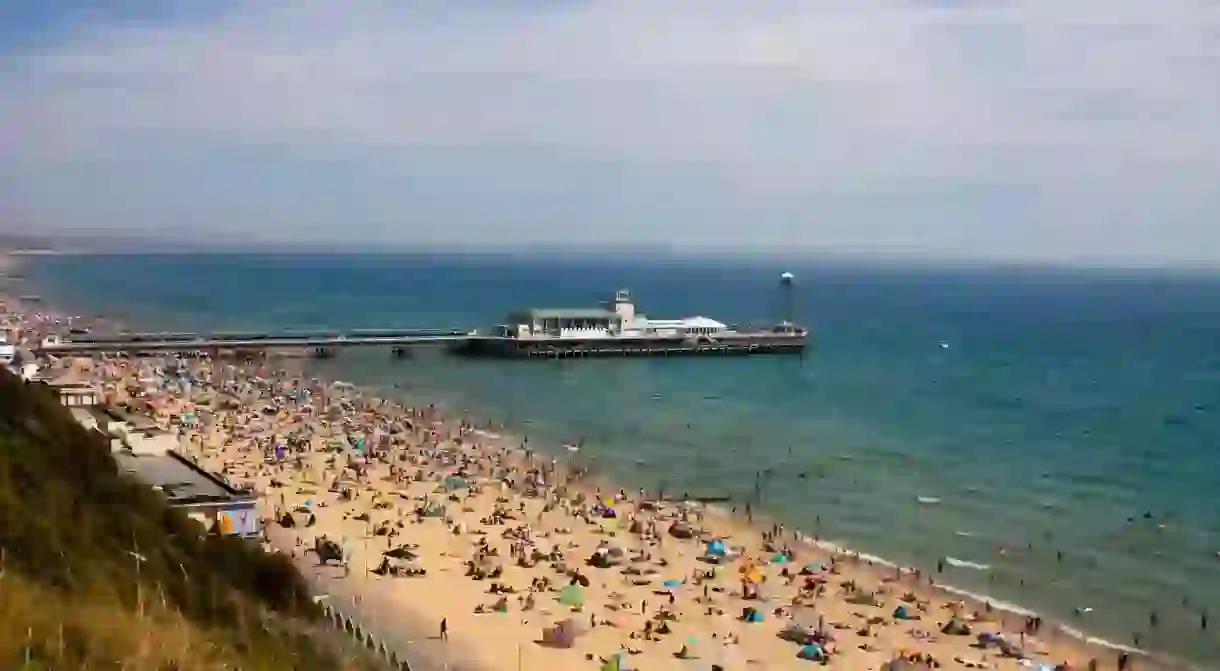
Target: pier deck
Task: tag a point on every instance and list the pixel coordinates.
(568, 348)
(457, 341)
(191, 342)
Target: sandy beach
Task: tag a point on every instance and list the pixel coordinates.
(527, 562)
(501, 556)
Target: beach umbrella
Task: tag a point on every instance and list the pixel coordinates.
(401, 552)
(453, 482)
(572, 596)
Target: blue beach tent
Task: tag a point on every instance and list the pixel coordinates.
(812, 653)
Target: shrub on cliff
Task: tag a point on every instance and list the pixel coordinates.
(98, 570)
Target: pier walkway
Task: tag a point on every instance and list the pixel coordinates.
(320, 342)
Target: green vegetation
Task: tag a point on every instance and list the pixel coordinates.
(73, 594)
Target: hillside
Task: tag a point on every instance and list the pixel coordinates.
(73, 594)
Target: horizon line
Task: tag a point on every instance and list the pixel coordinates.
(641, 253)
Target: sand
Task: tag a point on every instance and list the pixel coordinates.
(496, 507)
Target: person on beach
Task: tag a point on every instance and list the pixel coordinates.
(332, 482)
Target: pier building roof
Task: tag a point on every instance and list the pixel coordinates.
(571, 313)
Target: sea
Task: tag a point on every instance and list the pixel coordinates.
(1052, 436)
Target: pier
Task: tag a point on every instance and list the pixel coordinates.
(614, 329)
(319, 343)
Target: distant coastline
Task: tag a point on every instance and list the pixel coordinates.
(124, 245)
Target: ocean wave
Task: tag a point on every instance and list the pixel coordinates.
(1015, 609)
(1100, 642)
(837, 549)
(996, 604)
(962, 563)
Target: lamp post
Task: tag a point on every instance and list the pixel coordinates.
(786, 304)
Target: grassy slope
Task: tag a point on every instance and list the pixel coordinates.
(69, 594)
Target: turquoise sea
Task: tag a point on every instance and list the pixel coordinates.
(1070, 418)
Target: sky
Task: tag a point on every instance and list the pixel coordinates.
(1083, 131)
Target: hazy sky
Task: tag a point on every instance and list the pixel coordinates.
(1046, 129)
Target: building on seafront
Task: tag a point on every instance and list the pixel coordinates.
(204, 497)
(8, 352)
(615, 318)
(150, 454)
(77, 394)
